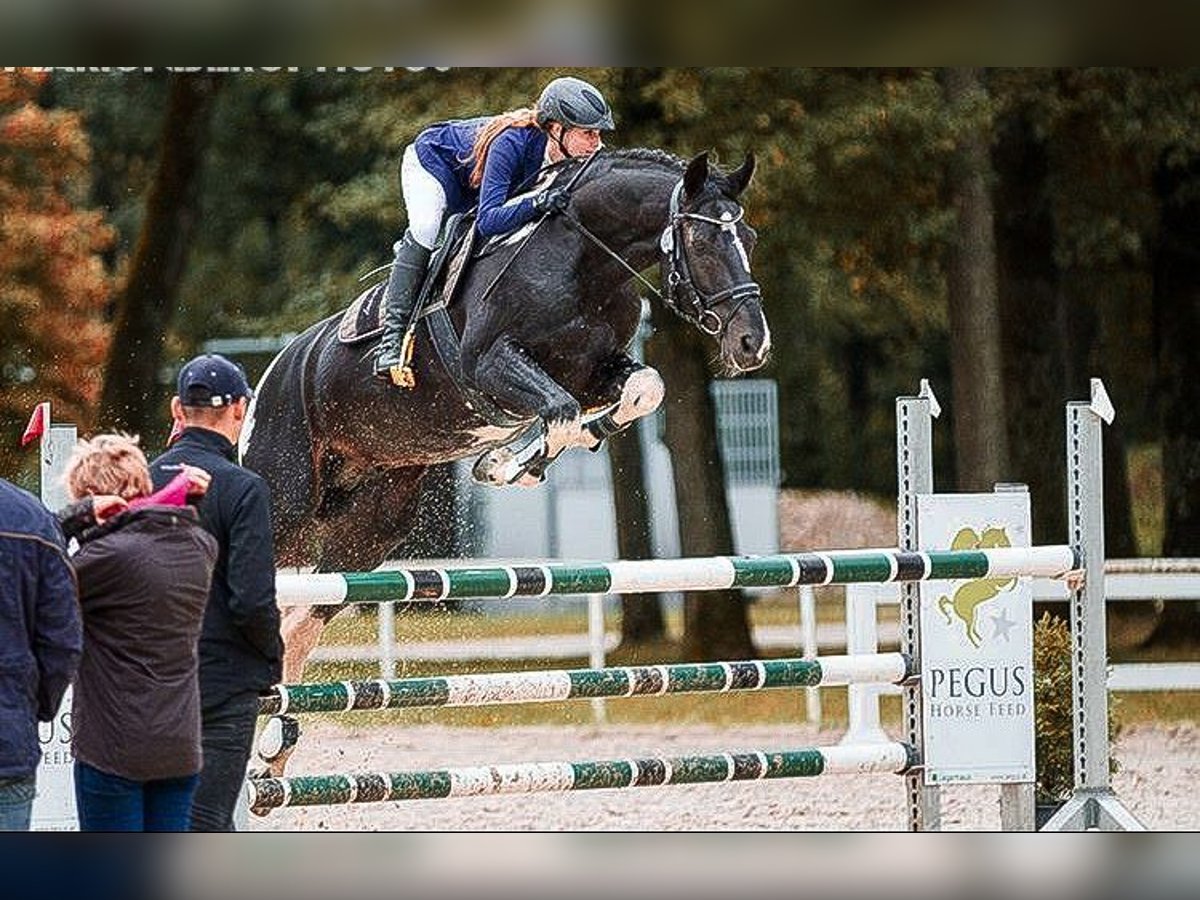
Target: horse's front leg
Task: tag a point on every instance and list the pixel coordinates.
(301, 628)
(640, 391)
(509, 375)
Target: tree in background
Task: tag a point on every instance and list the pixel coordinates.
(1177, 320)
(980, 426)
(53, 286)
(642, 619)
(715, 623)
(668, 109)
(146, 304)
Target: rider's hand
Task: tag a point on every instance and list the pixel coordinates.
(551, 201)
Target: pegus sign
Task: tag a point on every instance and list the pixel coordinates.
(976, 646)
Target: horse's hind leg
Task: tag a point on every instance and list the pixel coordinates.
(302, 627)
(362, 526)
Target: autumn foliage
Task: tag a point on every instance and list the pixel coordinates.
(53, 285)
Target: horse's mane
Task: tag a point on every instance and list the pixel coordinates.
(614, 158)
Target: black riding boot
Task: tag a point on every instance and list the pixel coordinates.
(408, 270)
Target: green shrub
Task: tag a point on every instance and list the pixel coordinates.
(1053, 709)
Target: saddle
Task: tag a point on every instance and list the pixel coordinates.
(363, 319)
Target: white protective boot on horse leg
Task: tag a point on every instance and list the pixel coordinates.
(523, 462)
(641, 395)
(511, 463)
(301, 632)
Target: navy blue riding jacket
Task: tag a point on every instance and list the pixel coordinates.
(514, 157)
(240, 646)
(41, 633)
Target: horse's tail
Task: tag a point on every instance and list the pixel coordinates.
(943, 602)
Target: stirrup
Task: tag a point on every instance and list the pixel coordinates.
(402, 372)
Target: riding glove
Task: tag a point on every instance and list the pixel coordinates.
(551, 201)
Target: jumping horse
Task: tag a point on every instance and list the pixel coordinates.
(520, 354)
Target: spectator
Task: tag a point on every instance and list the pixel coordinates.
(40, 637)
(240, 646)
(144, 569)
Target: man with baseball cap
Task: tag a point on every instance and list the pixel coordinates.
(240, 649)
(212, 380)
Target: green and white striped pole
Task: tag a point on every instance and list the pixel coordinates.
(410, 583)
(553, 686)
(265, 794)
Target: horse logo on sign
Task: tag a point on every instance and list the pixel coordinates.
(970, 596)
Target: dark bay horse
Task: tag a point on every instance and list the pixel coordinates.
(545, 318)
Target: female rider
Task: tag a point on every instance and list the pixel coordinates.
(454, 165)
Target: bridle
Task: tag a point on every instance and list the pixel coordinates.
(679, 287)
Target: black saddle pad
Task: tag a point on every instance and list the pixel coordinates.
(363, 319)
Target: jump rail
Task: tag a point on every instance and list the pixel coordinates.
(412, 584)
(553, 686)
(265, 794)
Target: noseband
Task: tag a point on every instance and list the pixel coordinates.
(680, 287)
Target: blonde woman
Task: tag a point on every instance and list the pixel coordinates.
(144, 565)
(455, 165)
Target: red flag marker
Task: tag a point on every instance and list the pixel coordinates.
(38, 423)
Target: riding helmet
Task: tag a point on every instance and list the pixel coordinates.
(574, 102)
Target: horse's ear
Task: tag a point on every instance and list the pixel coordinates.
(739, 179)
(696, 175)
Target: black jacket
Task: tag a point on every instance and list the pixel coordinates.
(143, 588)
(240, 645)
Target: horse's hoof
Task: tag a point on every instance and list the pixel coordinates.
(278, 736)
(489, 468)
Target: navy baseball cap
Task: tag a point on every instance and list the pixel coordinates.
(212, 380)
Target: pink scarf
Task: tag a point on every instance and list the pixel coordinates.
(175, 493)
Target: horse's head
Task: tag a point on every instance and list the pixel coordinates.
(706, 263)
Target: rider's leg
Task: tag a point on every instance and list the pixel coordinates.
(425, 201)
(408, 270)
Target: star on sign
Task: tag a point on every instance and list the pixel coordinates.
(1002, 625)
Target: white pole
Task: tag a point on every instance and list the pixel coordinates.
(914, 476)
(387, 640)
(808, 641)
(596, 639)
(862, 636)
(54, 806)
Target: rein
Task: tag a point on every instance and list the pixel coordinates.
(525, 240)
(679, 274)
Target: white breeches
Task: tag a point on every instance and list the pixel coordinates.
(423, 198)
